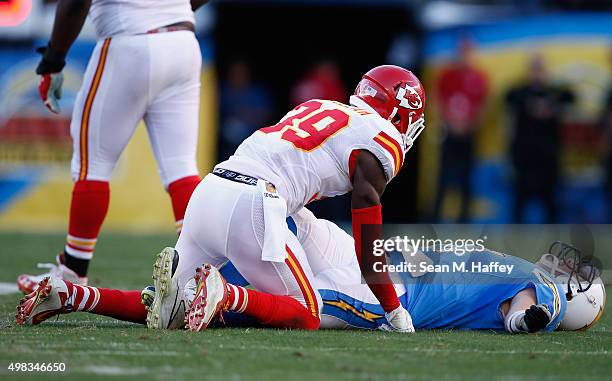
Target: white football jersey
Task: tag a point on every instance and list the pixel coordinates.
(130, 17)
(307, 155)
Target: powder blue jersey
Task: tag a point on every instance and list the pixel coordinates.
(467, 296)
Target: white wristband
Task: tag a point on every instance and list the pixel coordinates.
(513, 322)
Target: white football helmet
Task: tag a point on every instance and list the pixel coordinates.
(584, 308)
(584, 289)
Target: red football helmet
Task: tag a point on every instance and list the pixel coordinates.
(398, 96)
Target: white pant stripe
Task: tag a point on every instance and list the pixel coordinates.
(72, 296)
(96, 298)
(85, 298)
(244, 302)
(236, 296)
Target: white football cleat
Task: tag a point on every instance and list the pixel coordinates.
(27, 283)
(167, 310)
(47, 300)
(209, 300)
(398, 320)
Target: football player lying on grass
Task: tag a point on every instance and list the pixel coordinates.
(561, 291)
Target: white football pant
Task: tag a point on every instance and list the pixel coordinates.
(155, 77)
(224, 221)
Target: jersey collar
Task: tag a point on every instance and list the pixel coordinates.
(360, 103)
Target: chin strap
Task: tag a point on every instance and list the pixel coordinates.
(414, 130)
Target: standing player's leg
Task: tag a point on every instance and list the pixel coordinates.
(106, 113)
(173, 113)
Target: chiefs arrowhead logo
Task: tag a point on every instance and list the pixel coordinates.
(409, 98)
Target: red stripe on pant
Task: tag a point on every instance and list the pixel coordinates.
(310, 297)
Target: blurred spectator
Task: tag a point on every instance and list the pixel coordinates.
(404, 52)
(606, 124)
(461, 94)
(321, 82)
(245, 107)
(537, 108)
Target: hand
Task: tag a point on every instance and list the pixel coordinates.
(398, 320)
(536, 318)
(50, 90)
(51, 78)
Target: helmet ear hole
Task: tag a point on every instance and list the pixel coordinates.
(396, 119)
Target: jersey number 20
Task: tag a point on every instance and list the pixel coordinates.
(307, 126)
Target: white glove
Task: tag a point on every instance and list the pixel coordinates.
(50, 90)
(399, 321)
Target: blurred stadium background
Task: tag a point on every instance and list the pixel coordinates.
(505, 80)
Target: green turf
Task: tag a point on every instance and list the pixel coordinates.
(100, 348)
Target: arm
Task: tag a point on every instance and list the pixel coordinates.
(525, 315)
(195, 4)
(70, 16)
(369, 181)
(368, 185)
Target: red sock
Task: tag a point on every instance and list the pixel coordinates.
(122, 305)
(180, 192)
(271, 310)
(88, 209)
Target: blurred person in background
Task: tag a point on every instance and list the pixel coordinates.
(606, 142)
(245, 107)
(462, 90)
(323, 81)
(536, 107)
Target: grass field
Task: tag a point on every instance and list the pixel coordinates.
(93, 347)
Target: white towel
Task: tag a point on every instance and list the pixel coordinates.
(275, 225)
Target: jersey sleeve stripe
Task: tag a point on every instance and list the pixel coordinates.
(550, 283)
(396, 145)
(91, 94)
(556, 299)
(393, 148)
(309, 296)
